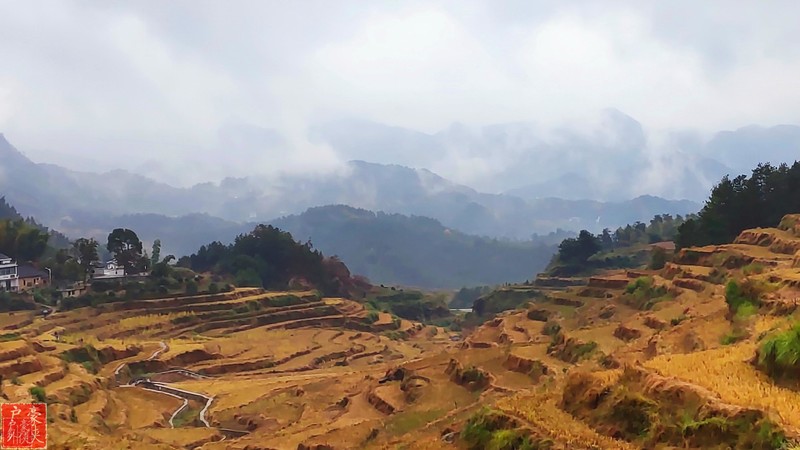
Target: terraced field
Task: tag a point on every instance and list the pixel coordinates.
(251, 369)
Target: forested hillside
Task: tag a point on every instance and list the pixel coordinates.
(415, 251)
(628, 246)
(760, 200)
(271, 258)
(25, 239)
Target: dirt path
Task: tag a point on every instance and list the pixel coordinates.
(158, 352)
(177, 411)
(166, 389)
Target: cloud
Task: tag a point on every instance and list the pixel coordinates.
(100, 85)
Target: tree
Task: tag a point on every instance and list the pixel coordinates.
(85, 253)
(156, 256)
(658, 259)
(606, 240)
(578, 250)
(162, 269)
(126, 247)
(22, 240)
(737, 204)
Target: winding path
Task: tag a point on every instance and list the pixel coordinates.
(156, 353)
(166, 389)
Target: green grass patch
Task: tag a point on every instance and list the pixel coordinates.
(186, 417)
(492, 430)
(9, 337)
(38, 393)
(779, 355)
(753, 269)
(732, 337)
(675, 321)
(746, 296)
(643, 294)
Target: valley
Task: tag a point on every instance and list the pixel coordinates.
(471, 225)
(585, 364)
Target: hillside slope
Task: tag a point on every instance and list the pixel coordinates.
(414, 251)
(619, 360)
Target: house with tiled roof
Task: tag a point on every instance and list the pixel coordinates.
(30, 277)
(9, 277)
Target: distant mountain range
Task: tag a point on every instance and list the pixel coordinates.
(609, 157)
(74, 201)
(395, 247)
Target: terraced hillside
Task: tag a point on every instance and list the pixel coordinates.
(186, 371)
(619, 360)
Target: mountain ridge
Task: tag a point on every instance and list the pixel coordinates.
(54, 194)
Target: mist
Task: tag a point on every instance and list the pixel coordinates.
(190, 92)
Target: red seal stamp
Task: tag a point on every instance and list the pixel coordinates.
(24, 425)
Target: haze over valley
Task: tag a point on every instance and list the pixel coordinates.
(418, 225)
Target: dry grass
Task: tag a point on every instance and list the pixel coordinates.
(146, 408)
(148, 321)
(182, 437)
(541, 411)
(726, 372)
(13, 318)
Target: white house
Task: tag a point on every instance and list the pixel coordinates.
(9, 277)
(108, 271)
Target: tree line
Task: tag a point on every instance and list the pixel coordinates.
(743, 202)
(271, 258)
(578, 250)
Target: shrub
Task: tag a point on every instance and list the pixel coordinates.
(677, 320)
(753, 268)
(473, 374)
(551, 328)
(658, 259)
(213, 288)
(395, 335)
(89, 366)
(746, 310)
(38, 394)
(732, 337)
(14, 302)
(372, 317)
(717, 276)
(643, 294)
(9, 337)
(585, 349)
(745, 298)
(779, 355)
(191, 287)
(489, 429)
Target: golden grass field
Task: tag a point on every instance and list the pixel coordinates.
(310, 374)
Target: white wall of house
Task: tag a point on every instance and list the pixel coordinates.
(9, 280)
(108, 270)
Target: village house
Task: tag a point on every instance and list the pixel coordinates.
(108, 271)
(9, 279)
(74, 290)
(30, 277)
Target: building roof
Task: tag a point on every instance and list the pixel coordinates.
(2, 256)
(26, 271)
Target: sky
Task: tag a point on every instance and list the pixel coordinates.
(166, 88)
